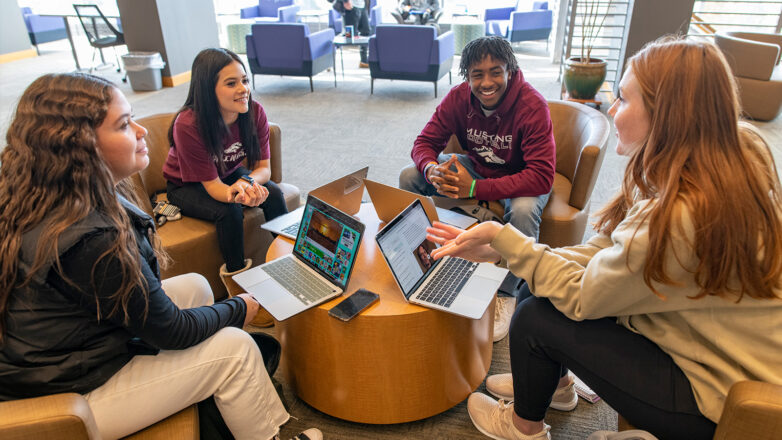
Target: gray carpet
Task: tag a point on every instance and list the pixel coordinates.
(333, 131)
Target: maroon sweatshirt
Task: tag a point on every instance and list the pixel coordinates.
(513, 148)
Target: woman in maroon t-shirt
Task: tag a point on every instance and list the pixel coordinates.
(218, 129)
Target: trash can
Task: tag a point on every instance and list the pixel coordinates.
(144, 70)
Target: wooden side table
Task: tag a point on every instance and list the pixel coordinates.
(395, 362)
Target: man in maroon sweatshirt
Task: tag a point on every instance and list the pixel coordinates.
(504, 125)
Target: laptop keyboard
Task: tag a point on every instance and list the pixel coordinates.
(448, 282)
(297, 280)
(292, 229)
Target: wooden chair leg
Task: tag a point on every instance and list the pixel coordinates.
(372, 86)
(312, 89)
(435, 89)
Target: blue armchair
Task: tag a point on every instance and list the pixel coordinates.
(375, 18)
(289, 49)
(336, 22)
(285, 14)
(520, 25)
(43, 29)
(265, 8)
(413, 53)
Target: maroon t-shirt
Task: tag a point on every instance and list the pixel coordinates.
(188, 159)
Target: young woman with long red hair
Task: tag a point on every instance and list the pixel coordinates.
(679, 295)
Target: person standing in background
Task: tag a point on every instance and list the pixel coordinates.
(355, 14)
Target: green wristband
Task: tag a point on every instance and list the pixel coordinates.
(472, 188)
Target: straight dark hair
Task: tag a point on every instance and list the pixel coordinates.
(202, 100)
(496, 47)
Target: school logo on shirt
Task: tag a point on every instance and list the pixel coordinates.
(488, 155)
(490, 140)
(486, 144)
(234, 153)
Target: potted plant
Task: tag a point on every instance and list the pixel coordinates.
(585, 74)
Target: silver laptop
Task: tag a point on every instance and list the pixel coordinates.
(390, 201)
(344, 194)
(318, 269)
(449, 284)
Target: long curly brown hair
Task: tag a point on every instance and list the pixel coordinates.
(697, 152)
(52, 172)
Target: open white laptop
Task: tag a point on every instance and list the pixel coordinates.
(449, 284)
(390, 201)
(318, 269)
(344, 194)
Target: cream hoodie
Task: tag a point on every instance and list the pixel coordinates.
(715, 341)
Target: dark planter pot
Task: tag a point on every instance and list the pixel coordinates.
(583, 80)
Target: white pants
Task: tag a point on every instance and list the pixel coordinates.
(227, 365)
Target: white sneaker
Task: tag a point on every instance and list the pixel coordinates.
(501, 386)
(495, 419)
(503, 312)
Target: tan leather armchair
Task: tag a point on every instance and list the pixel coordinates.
(68, 416)
(754, 59)
(581, 135)
(753, 410)
(192, 243)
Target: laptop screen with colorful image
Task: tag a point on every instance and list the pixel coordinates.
(328, 241)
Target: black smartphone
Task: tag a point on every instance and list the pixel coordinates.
(353, 305)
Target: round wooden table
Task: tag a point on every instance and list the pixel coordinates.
(395, 362)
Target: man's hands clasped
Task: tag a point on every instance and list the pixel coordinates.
(450, 183)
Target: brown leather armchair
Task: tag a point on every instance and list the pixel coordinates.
(753, 410)
(192, 243)
(754, 59)
(68, 416)
(581, 135)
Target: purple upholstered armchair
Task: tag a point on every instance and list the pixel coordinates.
(289, 49)
(43, 29)
(520, 25)
(413, 53)
(265, 8)
(285, 14)
(375, 17)
(336, 22)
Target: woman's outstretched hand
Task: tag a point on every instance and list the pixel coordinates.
(471, 245)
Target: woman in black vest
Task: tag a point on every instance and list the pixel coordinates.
(82, 306)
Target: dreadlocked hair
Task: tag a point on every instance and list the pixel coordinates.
(496, 47)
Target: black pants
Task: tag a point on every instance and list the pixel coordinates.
(228, 218)
(631, 373)
(358, 18)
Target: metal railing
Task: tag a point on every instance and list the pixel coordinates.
(713, 16)
(608, 42)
